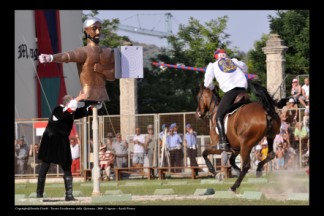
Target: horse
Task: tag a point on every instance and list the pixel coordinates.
(246, 127)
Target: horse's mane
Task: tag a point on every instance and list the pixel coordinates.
(215, 91)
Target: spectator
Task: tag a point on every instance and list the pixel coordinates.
(22, 152)
(301, 133)
(162, 132)
(139, 151)
(296, 92)
(165, 160)
(109, 141)
(280, 154)
(175, 127)
(121, 153)
(278, 140)
(306, 118)
(264, 151)
(106, 161)
(258, 155)
(190, 141)
(290, 154)
(225, 156)
(150, 146)
(174, 146)
(305, 90)
(33, 152)
(285, 137)
(290, 112)
(75, 152)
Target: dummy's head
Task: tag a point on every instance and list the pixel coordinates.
(92, 29)
(219, 53)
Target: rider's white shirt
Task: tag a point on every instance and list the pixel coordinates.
(228, 74)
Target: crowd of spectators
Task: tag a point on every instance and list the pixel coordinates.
(294, 131)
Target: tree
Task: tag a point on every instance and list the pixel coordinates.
(293, 28)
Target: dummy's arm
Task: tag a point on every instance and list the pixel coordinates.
(77, 55)
(107, 68)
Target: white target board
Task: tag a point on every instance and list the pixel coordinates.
(128, 62)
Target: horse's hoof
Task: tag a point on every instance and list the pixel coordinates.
(232, 189)
(258, 173)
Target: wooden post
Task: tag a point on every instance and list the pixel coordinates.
(95, 169)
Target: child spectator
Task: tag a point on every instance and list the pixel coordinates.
(106, 160)
(280, 153)
(258, 155)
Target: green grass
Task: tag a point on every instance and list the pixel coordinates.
(277, 183)
(209, 202)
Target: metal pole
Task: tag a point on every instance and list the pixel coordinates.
(184, 135)
(86, 149)
(300, 144)
(95, 169)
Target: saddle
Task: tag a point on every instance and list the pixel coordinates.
(240, 100)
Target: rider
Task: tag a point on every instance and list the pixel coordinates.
(232, 81)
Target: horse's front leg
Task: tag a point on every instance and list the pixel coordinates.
(246, 166)
(206, 152)
(214, 138)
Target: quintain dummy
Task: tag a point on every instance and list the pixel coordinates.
(95, 64)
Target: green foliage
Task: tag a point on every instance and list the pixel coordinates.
(293, 28)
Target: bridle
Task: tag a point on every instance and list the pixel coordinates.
(211, 109)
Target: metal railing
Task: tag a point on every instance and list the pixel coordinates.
(27, 128)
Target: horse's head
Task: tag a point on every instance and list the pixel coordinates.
(205, 99)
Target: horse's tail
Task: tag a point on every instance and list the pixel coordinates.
(264, 97)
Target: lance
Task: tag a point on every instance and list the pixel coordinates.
(183, 67)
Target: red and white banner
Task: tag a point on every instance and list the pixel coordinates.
(40, 128)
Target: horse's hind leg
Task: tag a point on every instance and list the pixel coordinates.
(233, 164)
(246, 166)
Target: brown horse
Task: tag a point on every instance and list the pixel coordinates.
(246, 127)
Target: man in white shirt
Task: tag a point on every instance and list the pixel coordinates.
(232, 81)
(138, 140)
